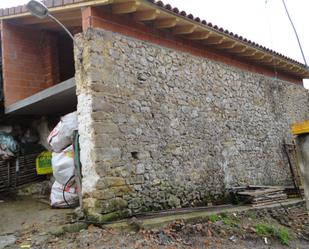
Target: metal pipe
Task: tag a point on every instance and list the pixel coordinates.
(57, 21)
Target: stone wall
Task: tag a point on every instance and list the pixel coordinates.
(163, 129)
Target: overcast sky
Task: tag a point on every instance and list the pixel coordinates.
(262, 21)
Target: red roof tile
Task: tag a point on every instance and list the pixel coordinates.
(166, 7)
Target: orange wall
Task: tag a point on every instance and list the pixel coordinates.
(30, 61)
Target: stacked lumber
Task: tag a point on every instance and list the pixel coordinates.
(292, 192)
(261, 195)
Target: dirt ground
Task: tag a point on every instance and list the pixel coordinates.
(24, 213)
(32, 224)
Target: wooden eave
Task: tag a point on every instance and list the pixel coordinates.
(179, 25)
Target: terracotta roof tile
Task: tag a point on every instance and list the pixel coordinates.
(160, 4)
(190, 16)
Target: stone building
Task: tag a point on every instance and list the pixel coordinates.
(172, 110)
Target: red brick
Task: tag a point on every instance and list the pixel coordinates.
(26, 69)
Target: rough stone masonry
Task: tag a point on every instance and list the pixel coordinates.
(163, 129)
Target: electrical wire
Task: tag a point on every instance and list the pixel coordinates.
(64, 188)
(299, 44)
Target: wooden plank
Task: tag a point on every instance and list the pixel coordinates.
(54, 26)
(259, 192)
(265, 187)
(64, 8)
(61, 16)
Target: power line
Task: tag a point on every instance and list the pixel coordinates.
(301, 49)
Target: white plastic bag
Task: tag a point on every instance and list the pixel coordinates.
(70, 194)
(63, 165)
(62, 135)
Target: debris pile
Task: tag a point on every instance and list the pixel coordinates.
(259, 195)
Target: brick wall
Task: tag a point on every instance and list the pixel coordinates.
(66, 61)
(30, 61)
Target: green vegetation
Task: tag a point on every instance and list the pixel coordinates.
(282, 234)
(264, 230)
(227, 220)
(214, 218)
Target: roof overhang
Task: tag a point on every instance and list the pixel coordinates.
(58, 99)
(162, 16)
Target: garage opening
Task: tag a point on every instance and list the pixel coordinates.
(38, 89)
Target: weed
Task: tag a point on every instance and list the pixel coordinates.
(214, 217)
(282, 234)
(265, 230)
(228, 221)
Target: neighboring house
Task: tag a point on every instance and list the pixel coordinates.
(172, 110)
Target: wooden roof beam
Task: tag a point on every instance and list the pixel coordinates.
(166, 23)
(227, 45)
(181, 30)
(125, 7)
(146, 15)
(258, 56)
(214, 40)
(275, 62)
(282, 63)
(248, 53)
(304, 72)
(288, 67)
(238, 49)
(55, 26)
(266, 59)
(198, 35)
(61, 16)
(296, 69)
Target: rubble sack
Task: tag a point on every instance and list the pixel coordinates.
(63, 165)
(58, 191)
(62, 135)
